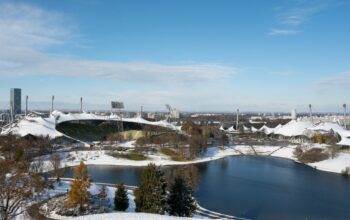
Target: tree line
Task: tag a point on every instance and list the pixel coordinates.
(151, 196)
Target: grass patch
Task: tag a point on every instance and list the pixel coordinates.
(172, 154)
(129, 156)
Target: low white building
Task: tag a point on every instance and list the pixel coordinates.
(174, 114)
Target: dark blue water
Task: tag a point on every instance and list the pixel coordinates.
(257, 188)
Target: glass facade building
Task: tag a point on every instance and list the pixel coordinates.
(16, 100)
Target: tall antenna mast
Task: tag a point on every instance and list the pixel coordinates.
(81, 104)
(52, 101)
(310, 111)
(237, 119)
(26, 111)
(11, 111)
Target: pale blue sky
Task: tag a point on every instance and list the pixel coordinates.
(200, 55)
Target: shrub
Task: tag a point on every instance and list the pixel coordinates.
(345, 172)
(313, 155)
(130, 156)
(297, 151)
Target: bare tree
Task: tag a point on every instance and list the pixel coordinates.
(55, 161)
(37, 166)
(334, 150)
(17, 187)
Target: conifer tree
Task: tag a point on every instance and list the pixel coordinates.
(150, 196)
(180, 201)
(121, 200)
(79, 194)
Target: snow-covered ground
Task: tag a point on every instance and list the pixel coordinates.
(336, 165)
(94, 190)
(128, 216)
(64, 186)
(101, 157)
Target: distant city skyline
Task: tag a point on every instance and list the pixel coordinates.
(195, 55)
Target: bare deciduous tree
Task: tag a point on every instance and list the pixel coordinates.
(17, 187)
(55, 161)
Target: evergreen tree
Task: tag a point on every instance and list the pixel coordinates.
(121, 200)
(79, 194)
(150, 196)
(180, 201)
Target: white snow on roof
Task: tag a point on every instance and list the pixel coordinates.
(254, 129)
(36, 126)
(266, 129)
(294, 128)
(245, 128)
(326, 126)
(231, 129)
(344, 141)
(39, 126)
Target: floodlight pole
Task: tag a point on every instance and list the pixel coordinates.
(310, 112)
(237, 119)
(81, 104)
(26, 111)
(11, 111)
(52, 102)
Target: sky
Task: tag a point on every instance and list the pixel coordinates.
(196, 55)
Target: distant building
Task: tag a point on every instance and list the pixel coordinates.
(293, 114)
(16, 101)
(151, 115)
(174, 114)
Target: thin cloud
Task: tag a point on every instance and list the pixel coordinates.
(289, 18)
(285, 32)
(23, 25)
(28, 32)
(338, 80)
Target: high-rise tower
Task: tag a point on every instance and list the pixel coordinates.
(16, 101)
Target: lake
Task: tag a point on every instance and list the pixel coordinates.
(256, 187)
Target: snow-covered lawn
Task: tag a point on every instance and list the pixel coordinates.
(336, 165)
(64, 187)
(101, 157)
(94, 190)
(128, 216)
